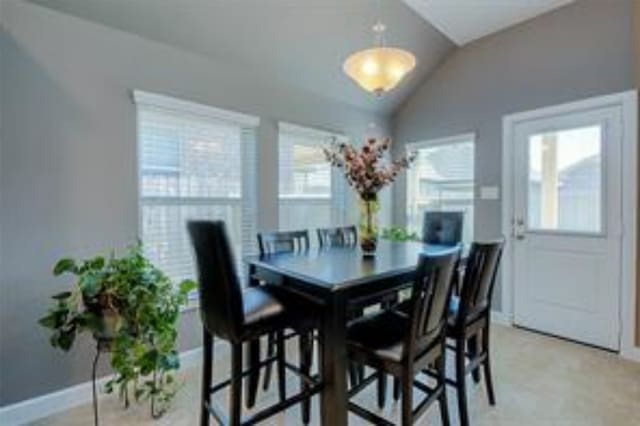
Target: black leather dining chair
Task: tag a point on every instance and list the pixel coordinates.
(237, 316)
(442, 227)
(289, 242)
(469, 322)
(404, 344)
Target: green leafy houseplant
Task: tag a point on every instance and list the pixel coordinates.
(132, 309)
(399, 234)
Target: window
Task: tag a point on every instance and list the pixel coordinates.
(565, 179)
(195, 162)
(308, 196)
(442, 180)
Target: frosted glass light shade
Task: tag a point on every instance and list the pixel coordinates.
(379, 69)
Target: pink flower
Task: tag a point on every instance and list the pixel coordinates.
(365, 169)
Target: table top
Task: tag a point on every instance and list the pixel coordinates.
(339, 268)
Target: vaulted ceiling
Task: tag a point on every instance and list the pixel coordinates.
(304, 42)
(301, 42)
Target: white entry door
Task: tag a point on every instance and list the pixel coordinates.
(567, 224)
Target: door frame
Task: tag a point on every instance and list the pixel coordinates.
(628, 103)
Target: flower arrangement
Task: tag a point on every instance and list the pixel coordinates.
(367, 172)
(365, 169)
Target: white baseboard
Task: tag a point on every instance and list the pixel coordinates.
(501, 318)
(42, 406)
(631, 354)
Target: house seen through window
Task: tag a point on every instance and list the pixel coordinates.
(442, 179)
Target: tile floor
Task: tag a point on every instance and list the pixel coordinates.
(539, 380)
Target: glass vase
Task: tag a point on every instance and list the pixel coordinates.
(369, 208)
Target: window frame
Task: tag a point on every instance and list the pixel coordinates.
(439, 142)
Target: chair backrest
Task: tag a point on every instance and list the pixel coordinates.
(430, 299)
(343, 236)
(220, 291)
(479, 279)
(283, 242)
(444, 228)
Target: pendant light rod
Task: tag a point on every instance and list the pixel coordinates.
(379, 27)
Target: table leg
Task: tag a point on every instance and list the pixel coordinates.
(334, 403)
(253, 355)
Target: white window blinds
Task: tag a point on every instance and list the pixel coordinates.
(195, 162)
(442, 179)
(308, 195)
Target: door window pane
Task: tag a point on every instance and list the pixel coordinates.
(565, 180)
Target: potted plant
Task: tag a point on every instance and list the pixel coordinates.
(131, 308)
(367, 172)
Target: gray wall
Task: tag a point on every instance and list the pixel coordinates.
(68, 163)
(576, 52)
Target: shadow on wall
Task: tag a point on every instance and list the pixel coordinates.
(35, 112)
(54, 174)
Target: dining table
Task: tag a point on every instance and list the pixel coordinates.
(334, 279)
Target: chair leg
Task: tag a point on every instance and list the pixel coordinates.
(441, 366)
(271, 351)
(253, 380)
(488, 379)
(354, 378)
(235, 396)
(282, 380)
(461, 387)
(407, 398)
(397, 390)
(306, 355)
(382, 388)
(473, 351)
(207, 368)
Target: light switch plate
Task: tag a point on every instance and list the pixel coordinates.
(489, 193)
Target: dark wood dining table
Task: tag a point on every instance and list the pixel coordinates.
(335, 278)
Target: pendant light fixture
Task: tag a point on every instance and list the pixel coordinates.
(381, 68)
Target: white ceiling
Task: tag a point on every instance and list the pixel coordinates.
(466, 20)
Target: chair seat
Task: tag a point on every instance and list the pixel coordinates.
(382, 333)
(269, 307)
(471, 318)
(259, 305)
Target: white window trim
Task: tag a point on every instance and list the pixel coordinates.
(170, 103)
(450, 140)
